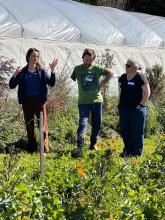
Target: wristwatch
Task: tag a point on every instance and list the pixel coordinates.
(141, 105)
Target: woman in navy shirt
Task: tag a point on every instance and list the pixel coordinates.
(32, 81)
(134, 93)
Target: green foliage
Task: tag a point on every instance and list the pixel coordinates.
(110, 122)
(161, 115)
(106, 61)
(98, 186)
(6, 67)
(157, 82)
(63, 126)
(11, 123)
(152, 124)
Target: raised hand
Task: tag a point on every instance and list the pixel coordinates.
(53, 64)
(18, 70)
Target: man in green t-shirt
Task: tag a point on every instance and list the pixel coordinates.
(90, 98)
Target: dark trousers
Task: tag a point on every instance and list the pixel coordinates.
(85, 110)
(32, 106)
(132, 124)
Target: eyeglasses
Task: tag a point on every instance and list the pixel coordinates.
(128, 66)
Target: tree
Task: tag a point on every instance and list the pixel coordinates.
(154, 7)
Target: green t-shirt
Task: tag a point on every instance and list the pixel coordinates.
(88, 83)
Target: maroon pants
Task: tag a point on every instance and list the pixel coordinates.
(32, 106)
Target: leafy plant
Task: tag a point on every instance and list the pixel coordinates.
(106, 61)
(157, 82)
(6, 68)
(59, 95)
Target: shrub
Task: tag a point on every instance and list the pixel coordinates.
(110, 122)
(106, 61)
(59, 95)
(63, 125)
(152, 125)
(161, 115)
(6, 67)
(157, 82)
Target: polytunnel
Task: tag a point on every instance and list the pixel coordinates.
(64, 28)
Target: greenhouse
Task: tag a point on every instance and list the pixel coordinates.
(63, 28)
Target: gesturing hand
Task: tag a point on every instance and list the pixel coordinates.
(53, 64)
(17, 71)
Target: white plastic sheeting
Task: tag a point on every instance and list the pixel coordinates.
(71, 52)
(61, 27)
(65, 20)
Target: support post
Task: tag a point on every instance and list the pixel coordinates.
(42, 157)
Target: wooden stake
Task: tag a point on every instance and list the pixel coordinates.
(42, 158)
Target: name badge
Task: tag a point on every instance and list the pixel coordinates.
(131, 83)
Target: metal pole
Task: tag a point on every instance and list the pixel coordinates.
(42, 158)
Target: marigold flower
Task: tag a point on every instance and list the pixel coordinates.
(82, 174)
(98, 144)
(79, 165)
(113, 141)
(162, 135)
(114, 149)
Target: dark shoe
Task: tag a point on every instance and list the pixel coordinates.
(32, 149)
(93, 148)
(135, 155)
(124, 154)
(77, 153)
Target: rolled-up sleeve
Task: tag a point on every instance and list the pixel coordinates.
(73, 76)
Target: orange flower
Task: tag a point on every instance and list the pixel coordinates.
(114, 149)
(79, 165)
(162, 135)
(82, 174)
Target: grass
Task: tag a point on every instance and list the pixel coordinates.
(116, 145)
(91, 187)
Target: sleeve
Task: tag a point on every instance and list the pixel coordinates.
(121, 78)
(50, 79)
(14, 81)
(144, 79)
(102, 71)
(73, 76)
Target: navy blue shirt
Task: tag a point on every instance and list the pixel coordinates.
(44, 80)
(32, 84)
(131, 90)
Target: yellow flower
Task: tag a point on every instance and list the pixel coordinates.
(113, 141)
(98, 144)
(135, 162)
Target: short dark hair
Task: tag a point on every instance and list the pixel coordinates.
(89, 52)
(29, 52)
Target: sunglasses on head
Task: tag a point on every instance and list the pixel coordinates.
(128, 66)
